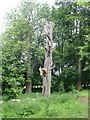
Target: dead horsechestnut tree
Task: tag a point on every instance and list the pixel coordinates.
(46, 71)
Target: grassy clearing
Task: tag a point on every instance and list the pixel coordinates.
(34, 105)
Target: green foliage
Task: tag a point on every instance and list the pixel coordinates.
(61, 87)
(72, 44)
(12, 69)
(23, 45)
(66, 81)
(85, 53)
(56, 106)
(21, 48)
(69, 77)
(55, 81)
(5, 98)
(85, 3)
(29, 110)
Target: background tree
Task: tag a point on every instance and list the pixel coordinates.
(23, 46)
(70, 34)
(24, 27)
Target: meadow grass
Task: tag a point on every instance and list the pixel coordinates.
(34, 105)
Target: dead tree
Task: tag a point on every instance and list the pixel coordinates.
(46, 71)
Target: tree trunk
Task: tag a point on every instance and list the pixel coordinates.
(29, 72)
(79, 81)
(47, 79)
(78, 62)
(48, 59)
(28, 87)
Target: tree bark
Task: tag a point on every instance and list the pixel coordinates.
(48, 59)
(79, 70)
(28, 87)
(28, 81)
(29, 71)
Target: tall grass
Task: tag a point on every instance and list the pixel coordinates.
(34, 105)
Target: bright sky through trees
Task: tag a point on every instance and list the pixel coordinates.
(6, 5)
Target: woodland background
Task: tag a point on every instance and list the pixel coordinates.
(23, 42)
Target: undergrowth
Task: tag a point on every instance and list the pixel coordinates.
(34, 105)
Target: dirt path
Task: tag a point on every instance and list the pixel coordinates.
(83, 99)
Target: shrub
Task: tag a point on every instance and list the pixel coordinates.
(69, 77)
(61, 87)
(55, 83)
(13, 68)
(12, 87)
(5, 98)
(52, 111)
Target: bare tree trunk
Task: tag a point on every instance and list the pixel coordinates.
(48, 60)
(47, 79)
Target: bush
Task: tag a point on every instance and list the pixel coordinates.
(61, 87)
(55, 83)
(12, 87)
(66, 81)
(52, 111)
(5, 98)
(69, 77)
(22, 108)
(13, 68)
(31, 109)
